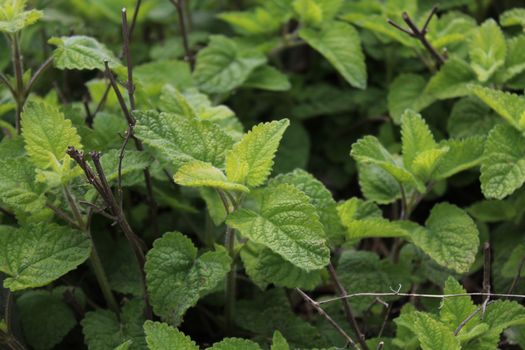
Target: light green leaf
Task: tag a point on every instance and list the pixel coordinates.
(125, 346)
(426, 162)
(250, 161)
(455, 310)
(13, 18)
(487, 50)
(37, 254)
(340, 44)
(223, 66)
(451, 81)
(81, 52)
(267, 78)
(320, 198)
(134, 161)
(515, 62)
(201, 174)
(416, 138)
(278, 342)
(509, 106)
(461, 155)
(47, 134)
(450, 237)
(181, 139)
(103, 330)
(282, 218)
(470, 117)
(235, 344)
(513, 17)
(160, 336)
(377, 184)
(308, 11)
(492, 210)
(432, 334)
(407, 92)
(45, 318)
(177, 278)
(259, 21)
(503, 165)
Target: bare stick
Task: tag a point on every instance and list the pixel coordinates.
(6, 82)
(486, 276)
(517, 276)
(330, 320)
(19, 76)
(126, 37)
(134, 19)
(179, 5)
(43, 67)
(346, 306)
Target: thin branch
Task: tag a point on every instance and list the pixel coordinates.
(102, 101)
(346, 306)
(179, 6)
(19, 76)
(126, 38)
(468, 318)
(6, 82)
(134, 19)
(486, 276)
(323, 313)
(63, 215)
(517, 276)
(43, 67)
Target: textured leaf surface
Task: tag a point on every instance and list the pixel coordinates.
(487, 50)
(161, 336)
(282, 218)
(432, 334)
(47, 134)
(513, 17)
(456, 310)
(509, 106)
(223, 66)
(268, 78)
(503, 165)
(250, 161)
(461, 155)
(377, 184)
(340, 44)
(201, 174)
(452, 80)
(177, 278)
(37, 254)
(406, 92)
(450, 237)
(235, 344)
(256, 22)
(470, 117)
(416, 137)
(278, 342)
(180, 139)
(13, 18)
(81, 52)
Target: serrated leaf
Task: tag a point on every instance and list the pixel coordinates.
(223, 66)
(503, 165)
(103, 330)
(509, 106)
(177, 278)
(514, 64)
(181, 139)
(251, 159)
(377, 184)
(201, 174)
(426, 162)
(513, 17)
(308, 11)
(320, 198)
(281, 218)
(455, 310)
(267, 78)
(461, 155)
(37, 254)
(256, 22)
(340, 44)
(47, 134)
(487, 50)
(450, 237)
(416, 137)
(235, 344)
(470, 117)
(160, 336)
(45, 318)
(134, 161)
(14, 18)
(81, 52)
(452, 80)
(407, 92)
(279, 342)
(432, 334)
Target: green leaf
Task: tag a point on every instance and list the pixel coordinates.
(278, 342)
(487, 50)
(416, 138)
(450, 237)
(503, 165)
(103, 330)
(268, 78)
(407, 92)
(320, 198)
(235, 344)
(37, 254)
(432, 334)
(368, 150)
(81, 52)
(223, 66)
(160, 336)
(514, 64)
(13, 18)
(308, 11)
(201, 174)
(493, 210)
(259, 21)
(513, 17)
(282, 218)
(294, 150)
(340, 44)
(455, 310)
(509, 106)
(181, 139)
(47, 134)
(451, 81)
(45, 318)
(462, 155)
(470, 117)
(134, 161)
(250, 161)
(177, 278)
(377, 184)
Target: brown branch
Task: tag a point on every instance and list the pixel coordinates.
(179, 6)
(486, 276)
(517, 276)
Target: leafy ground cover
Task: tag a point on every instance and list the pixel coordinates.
(262, 174)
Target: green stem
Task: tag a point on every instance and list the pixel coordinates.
(230, 279)
(95, 261)
(19, 75)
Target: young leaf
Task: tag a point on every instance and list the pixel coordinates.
(470, 117)
(181, 139)
(37, 254)
(452, 80)
(260, 21)
(377, 184)
(235, 344)
(340, 44)
(432, 334)
(515, 62)
(487, 50)
(250, 161)
(279, 342)
(268, 78)
(177, 278)
(223, 66)
(81, 52)
(407, 92)
(450, 237)
(14, 18)
(201, 174)
(513, 17)
(503, 165)
(308, 11)
(416, 137)
(160, 336)
(281, 218)
(456, 310)
(461, 155)
(509, 106)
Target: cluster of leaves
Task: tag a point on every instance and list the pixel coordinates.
(150, 200)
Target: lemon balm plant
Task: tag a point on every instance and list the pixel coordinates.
(262, 174)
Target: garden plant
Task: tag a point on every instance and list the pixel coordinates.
(262, 174)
